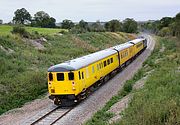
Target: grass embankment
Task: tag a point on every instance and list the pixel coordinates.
(158, 103)
(23, 67)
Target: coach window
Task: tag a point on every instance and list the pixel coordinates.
(117, 57)
(93, 69)
(71, 76)
(104, 63)
(97, 67)
(60, 76)
(108, 61)
(111, 60)
(82, 75)
(79, 75)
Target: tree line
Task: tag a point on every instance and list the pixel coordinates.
(167, 26)
(42, 19)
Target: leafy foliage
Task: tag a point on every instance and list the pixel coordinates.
(22, 16)
(167, 26)
(113, 26)
(67, 24)
(130, 26)
(21, 31)
(42, 19)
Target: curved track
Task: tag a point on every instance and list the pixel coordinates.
(87, 108)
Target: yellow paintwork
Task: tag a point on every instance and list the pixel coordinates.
(92, 73)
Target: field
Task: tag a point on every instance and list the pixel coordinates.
(23, 65)
(158, 103)
(6, 29)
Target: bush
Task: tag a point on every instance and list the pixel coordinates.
(164, 32)
(21, 31)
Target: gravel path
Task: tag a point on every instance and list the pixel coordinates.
(18, 116)
(87, 108)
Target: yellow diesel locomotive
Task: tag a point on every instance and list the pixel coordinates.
(71, 81)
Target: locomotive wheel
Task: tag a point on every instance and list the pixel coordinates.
(57, 101)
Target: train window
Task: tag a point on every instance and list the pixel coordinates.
(117, 57)
(87, 72)
(60, 76)
(82, 75)
(111, 60)
(101, 65)
(122, 55)
(126, 53)
(79, 75)
(50, 76)
(104, 63)
(93, 69)
(108, 61)
(97, 66)
(71, 76)
(139, 45)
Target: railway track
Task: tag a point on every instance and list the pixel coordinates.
(51, 117)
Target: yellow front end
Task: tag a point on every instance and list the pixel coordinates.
(62, 83)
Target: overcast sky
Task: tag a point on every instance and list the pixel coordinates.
(92, 10)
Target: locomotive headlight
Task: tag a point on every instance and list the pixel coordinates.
(73, 84)
(73, 88)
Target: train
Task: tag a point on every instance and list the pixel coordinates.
(72, 81)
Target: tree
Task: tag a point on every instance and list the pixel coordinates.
(42, 19)
(165, 21)
(67, 24)
(82, 27)
(97, 27)
(22, 16)
(130, 25)
(83, 24)
(113, 26)
(177, 25)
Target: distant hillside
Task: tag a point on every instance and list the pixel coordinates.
(24, 62)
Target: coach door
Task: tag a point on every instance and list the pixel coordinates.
(83, 79)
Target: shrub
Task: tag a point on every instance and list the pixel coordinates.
(21, 31)
(164, 32)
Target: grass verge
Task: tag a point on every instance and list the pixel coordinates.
(159, 101)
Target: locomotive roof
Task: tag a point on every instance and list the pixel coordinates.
(135, 41)
(81, 62)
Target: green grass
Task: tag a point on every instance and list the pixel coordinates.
(6, 30)
(158, 103)
(45, 31)
(23, 72)
(101, 117)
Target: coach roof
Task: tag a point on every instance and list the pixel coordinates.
(84, 61)
(81, 62)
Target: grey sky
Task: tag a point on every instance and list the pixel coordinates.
(92, 10)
